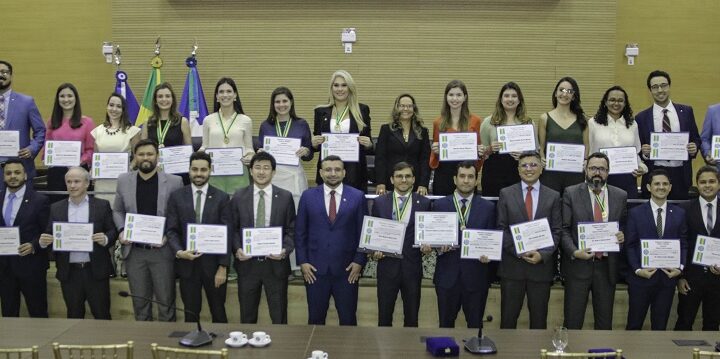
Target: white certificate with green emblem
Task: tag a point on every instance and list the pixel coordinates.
(109, 164)
(72, 237)
(598, 236)
(206, 238)
(533, 235)
(660, 253)
(707, 251)
(9, 241)
(436, 229)
(141, 228)
(62, 153)
(516, 138)
(261, 242)
(384, 235)
(481, 242)
(458, 146)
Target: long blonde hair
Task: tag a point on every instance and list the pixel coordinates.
(352, 97)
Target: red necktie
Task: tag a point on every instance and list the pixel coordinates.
(529, 203)
(333, 209)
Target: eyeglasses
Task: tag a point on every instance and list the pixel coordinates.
(529, 165)
(616, 100)
(5, 72)
(597, 169)
(405, 107)
(400, 177)
(656, 87)
(566, 91)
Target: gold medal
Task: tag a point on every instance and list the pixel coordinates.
(226, 140)
(338, 128)
(462, 228)
(161, 145)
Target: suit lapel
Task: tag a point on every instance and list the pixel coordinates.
(520, 202)
(587, 204)
(275, 213)
(92, 211)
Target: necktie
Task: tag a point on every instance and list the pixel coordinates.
(198, 206)
(260, 215)
(709, 218)
(529, 203)
(7, 215)
(332, 209)
(397, 212)
(659, 223)
(463, 208)
(666, 121)
(2, 112)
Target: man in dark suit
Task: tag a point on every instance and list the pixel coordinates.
(666, 116)
(327, 234)
(25, 272)
(587, 271)
(404, 274)
(18, 112)
(530, 273)
(653, 288)
(84, 276)
(699, 284)
(199, 202)
(463, 282)
(263, 205)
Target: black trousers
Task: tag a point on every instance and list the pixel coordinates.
(603, 297)
(251, 280)
(32, 287)
(657, 298)
(512, 297)
(408, 285)
(191, 294)
(450, 301)
(705, 290)
(80, 287)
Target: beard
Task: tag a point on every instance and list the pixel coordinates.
(596, 183)
(146, 169)
(4, 85)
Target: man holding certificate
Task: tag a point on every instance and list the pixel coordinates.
(463, 283)
(79, 222)
(327, 235)
(23, 263)
(650, 286)
(197, 219)
(149, 262)
(700, 282)
(593, 212)
(262, 229)
(667, 117)
(404, 274)
(528, 272)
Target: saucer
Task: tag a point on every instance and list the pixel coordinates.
(257, 344)
(229, 342)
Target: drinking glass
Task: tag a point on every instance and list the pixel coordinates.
(560, 339)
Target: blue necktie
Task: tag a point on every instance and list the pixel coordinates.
(7, 215)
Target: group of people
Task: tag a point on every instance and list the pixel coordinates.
(322, 225)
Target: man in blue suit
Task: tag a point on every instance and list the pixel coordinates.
(653, 288)
(327, 234)
(666, 116)
(404, 274)
(18, 112)
(463, 282)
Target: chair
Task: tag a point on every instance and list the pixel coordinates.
(545, 354)
(159, 352)
(108, 351)
(697, 354)
(8, 353)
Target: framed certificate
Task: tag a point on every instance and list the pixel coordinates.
(383, 235)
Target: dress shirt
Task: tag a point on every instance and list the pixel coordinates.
(268, 201)
(203, 197)
(704, 210)
(655, 207)
(604, 195)
(79, 213)
(535, 195)
(338, 198)
(674, 125)
(615, 134)
(406, 197)
(19, 195)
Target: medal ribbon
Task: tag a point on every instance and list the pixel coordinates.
(458, 207)
(341, 117)
(280, 132)
(222, 126)
(601, 202)
(400, 211)
(162, 132)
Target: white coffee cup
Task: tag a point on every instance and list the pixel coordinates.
(237, 337)
(261, 337)
(319, 354)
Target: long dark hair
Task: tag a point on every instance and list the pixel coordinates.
(464, 111)
(575, 103)
(174, 116)
(124, 121)
(602, 112)
(416, 121)
(282, 90)
(237, 105)
(498, 117)
(57, 113)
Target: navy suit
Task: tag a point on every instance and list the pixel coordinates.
(26, 275)
(330, 247)
(23, 116)
(657, 292)
(463, 282)
(681, 177)
(400, 275)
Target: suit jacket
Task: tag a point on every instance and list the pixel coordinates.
(100, 215)
(511, 210)
(180, 212)
(577, 207)
(641, 225)
(391, 148)
(686, 117)
(31, 220)
(282, 214)
(411, 262)
(450, 268)
(23, 116)
(329, 247)
(356, 173)
(696, 226)
(126, 202)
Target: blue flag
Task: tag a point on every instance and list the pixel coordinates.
(192, 104)
(122, 87)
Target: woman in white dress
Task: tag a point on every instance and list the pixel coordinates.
(116, 134)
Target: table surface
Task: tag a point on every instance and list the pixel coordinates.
(297, 341)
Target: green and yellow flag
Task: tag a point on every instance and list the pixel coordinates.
(146, 105)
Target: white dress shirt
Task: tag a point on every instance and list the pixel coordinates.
(203, 197)
(268, 203)
(704, 210)
(338, 198)
(535, 195)
(674, 126)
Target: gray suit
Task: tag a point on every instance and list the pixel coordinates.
(596, 274)
(150, 271)
(519, 277)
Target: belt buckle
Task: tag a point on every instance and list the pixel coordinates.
(260, 259)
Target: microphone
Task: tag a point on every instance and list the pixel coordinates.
(195, 338)
(481, 344)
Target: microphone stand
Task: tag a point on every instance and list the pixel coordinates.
(193, 339)
(480, 344)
